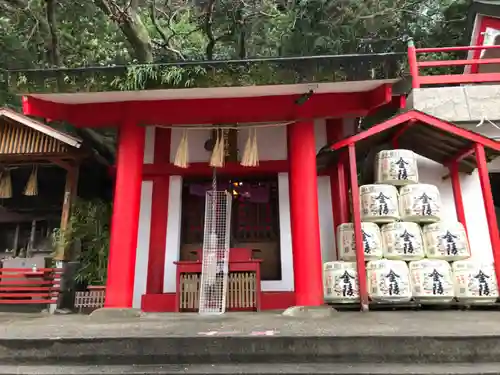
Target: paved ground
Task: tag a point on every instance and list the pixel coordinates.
(395, 323)
(263, 369)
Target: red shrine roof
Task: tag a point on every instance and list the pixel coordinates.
(426, 135)
(216, 105)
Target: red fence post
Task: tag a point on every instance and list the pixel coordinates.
(489, 206)
(358, 234)
(413, 63)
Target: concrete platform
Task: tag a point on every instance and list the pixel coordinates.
(263, 369)
(427, 337)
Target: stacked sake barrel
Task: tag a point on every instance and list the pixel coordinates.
(411, 253)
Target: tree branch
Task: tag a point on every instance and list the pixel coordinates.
(50, 8)
(167, 39)
(130, 23)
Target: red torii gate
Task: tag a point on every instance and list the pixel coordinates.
(458, 149)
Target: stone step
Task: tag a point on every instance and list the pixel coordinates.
(251, 349)
(264, 369)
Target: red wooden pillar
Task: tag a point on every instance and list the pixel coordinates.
(307, 267)
(125, 220)
(358, 234)
(159, 215)
(489, 206)
(457, 194)
(334, 133)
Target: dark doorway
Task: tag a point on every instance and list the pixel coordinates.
(254, 219)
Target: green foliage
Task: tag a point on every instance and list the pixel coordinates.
(89, 231)
(120, 32)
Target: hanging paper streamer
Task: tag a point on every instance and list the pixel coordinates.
(5, 185)
(218, 153)
(250, 156)
(182, 155)
(31, 188)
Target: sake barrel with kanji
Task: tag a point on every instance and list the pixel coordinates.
(475, 282)
(371, 238)
(420, 203)
(396, 167)
(446, 240)
(402, 241)
(388, 281)
(431, 281)
(379, 203)
(340, 281)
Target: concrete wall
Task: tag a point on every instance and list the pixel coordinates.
(468, 103)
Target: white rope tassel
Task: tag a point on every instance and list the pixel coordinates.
(245, 159)
(221, 156)
(31, 188)
(217, 158)
(5, 185)
(182, 155)
(254, 155)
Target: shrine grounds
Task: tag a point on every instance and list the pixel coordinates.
(128, 342)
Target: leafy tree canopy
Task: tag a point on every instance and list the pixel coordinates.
(54, 33)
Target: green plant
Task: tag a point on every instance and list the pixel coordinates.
(89, 232)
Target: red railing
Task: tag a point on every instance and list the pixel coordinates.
(446, 79)
(19, 286)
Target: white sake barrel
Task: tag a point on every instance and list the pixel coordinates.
(340, 282)
(396, 167)
(431, 281)
(420, 203)
(372, 241)
(379, 203)
(402, 241)
(388, 281)
(475, 282)
(446, 240)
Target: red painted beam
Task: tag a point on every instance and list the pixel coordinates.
(203, 169)
(380, 96)
(400, 132)
(210, 110)
(459, 78)
(395, 121)
(434, 64)
(425, 119)
(461, 155)
(455, 49)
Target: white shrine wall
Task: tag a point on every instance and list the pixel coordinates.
(272, 145)
(475, 214)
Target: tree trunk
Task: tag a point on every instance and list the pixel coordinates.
(130, 23)
(138, 36)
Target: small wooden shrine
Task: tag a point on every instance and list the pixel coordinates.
(39, 174)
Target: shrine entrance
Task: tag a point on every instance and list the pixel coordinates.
(254, 219)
